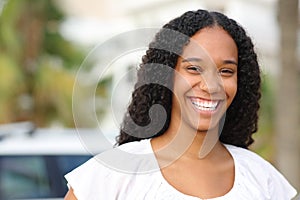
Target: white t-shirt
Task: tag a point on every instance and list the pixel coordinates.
(131, 171)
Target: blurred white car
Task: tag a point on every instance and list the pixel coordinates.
(33, 162)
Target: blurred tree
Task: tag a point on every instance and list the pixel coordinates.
(264, 138)
(288, 94)
(37, 64)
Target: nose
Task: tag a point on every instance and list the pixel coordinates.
(210, 82)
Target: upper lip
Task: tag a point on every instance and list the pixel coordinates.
(204, 99)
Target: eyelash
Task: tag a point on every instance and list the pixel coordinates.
(226, 72)
(194, 69)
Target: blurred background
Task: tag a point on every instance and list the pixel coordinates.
(44, 43)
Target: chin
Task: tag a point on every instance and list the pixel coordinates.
(204, 129)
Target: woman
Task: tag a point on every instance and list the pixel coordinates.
(198, 66)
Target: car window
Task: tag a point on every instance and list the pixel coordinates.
(23, 176)
(37, 176)
(68, 162)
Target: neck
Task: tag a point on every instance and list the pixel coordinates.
(185, 142)
(204, 144)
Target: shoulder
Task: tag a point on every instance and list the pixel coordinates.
(259, 174)
(137, 147)
(245, 155)
(251, 165)
(125, 167)
(251, 162)
(126, 158)
(133, 157)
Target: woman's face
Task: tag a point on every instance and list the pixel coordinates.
(205, 82)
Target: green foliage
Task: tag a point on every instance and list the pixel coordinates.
(264, 138)
(10, 87)
(9, 37)
(36, 64)
(53, 93)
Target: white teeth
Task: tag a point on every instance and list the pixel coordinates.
(205, 105)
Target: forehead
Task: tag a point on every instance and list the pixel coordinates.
(214, 43)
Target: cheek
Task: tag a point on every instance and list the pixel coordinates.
(230, 87)
(182, 84)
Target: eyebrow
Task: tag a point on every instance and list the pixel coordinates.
(195, 59)
(230, 62)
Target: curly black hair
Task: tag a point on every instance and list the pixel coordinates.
(241, 116)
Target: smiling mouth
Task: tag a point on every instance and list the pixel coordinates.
(205, 105)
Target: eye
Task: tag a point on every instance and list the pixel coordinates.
(194, 69)
(226, 72)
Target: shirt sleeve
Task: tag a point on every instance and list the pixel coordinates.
(77, 179)
(279, 186)
(90, 181)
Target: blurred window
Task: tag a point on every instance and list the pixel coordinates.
(36, 176)
(65, 165)
(69, 162)
(23, 176)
